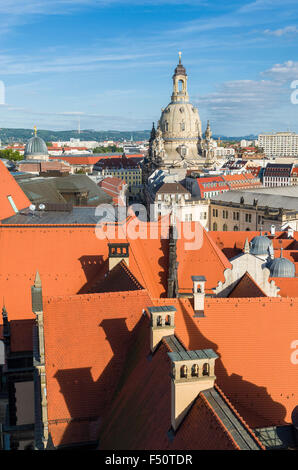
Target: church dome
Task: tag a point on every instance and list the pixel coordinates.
(180, 122)
(282, 267)
(260, 245)
(36, 148)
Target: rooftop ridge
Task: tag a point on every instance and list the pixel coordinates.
(201, 395)
(225, 398)
(130, 274)
(94, 296)
(248, 300)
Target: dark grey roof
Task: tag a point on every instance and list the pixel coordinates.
(278, 437)
(260, 245)
(198, 278)
(35, 146)
(42, 190)
(281, 267)
(79, 215)
(192, 355)
(163, 308)
(231, 422)
(276, 200)
(174, 343)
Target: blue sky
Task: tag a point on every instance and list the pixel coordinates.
(110, 62)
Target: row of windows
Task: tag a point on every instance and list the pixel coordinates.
(225, 227)
(236, 216)
(194, 372)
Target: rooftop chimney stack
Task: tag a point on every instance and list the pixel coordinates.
(192, 372)
(199, 294)
(162, 324)
(117, 253)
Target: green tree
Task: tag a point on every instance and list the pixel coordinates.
(11, 154)
(109, 149)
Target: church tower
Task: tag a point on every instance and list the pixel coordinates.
(179, 132)
(180, 94)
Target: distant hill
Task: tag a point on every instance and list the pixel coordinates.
(22, 135)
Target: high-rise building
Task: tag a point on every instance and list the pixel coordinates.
(281, 144)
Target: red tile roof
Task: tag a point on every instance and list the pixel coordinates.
(140, 416)
(247, 287)
(86, 340)
(9, 187)
(253, 338)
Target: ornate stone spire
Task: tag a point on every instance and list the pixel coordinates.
(180, 84)
(4, 313)
(208, 133)
(37, 282)
(246, 246)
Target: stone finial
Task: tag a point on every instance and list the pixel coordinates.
(246, 246)
(179, 57)
(37, 282)
(4, 313)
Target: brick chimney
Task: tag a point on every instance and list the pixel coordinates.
(117, 253)
(192, 372)
(162, 324)
(199, 294)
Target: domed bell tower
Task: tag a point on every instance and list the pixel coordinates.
(180, 78)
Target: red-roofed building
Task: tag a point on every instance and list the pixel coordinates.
(206, 187)
(116, 188)
(93, 302)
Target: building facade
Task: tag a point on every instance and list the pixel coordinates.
(281, 144)
(249, 211)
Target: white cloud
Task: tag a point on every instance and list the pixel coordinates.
(282, 31)
(259, 5)
(254, 105)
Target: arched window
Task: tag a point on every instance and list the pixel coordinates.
(248, 229)
(206, 369)
(183, 372)
(180, 85)
(225, 228)
(159, 321)
(168, 320)
(182, 126)
(215, 226)
(195, 370)
(166, 126)
(235, 228)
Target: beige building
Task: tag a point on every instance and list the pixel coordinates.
(281, 144)
(173, 197)
(249, 210)
(177, 141)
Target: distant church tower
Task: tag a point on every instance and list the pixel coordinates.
(36, 149)
(208, 150)
(178, 137)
